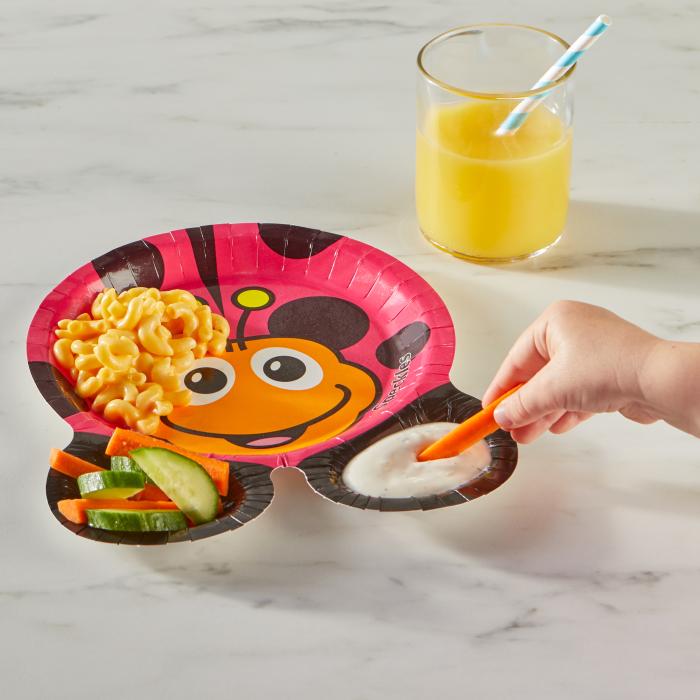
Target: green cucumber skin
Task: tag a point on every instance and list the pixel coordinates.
(126, 464)
(123, 464)
(182, 479)
(94, 482)
(137, 520)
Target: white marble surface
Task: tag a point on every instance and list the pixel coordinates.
(578, 579)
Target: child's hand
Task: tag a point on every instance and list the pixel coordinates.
(579, 359)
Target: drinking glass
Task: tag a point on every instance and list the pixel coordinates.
(479, 195)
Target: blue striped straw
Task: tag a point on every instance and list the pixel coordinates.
(514, 120)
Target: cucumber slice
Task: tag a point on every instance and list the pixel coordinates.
(108, 484)
(183, 480)
(137, 520)
(126, 464)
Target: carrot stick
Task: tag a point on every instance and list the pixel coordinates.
(74, 509)
(123, 441)
(151, 492)
(466, 434)
(70, 465)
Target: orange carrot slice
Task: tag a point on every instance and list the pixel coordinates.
(466, 434)
(123, 441)
(70, 465)
(74, 509)
(151, 492)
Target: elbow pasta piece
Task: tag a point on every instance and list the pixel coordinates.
(181, 397)
(82, 347)
(63, 353)
(182, 362)
(182, 345)
(144, 362)
(152, 392)
(87, 385)
(86, 329)
(87, 362)
(182, 312)
(148, 425)
(205, 329)
(221, 330)
(163, 373)
(128, 353)
(154, 336)
(131, 315)
(121, 409)
(103, 397)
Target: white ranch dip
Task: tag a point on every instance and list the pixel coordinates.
(389, 468)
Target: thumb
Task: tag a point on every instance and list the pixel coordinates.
(531, 402)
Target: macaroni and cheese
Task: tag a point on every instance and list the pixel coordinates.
(127, 355)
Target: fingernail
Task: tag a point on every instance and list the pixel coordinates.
(501, 417)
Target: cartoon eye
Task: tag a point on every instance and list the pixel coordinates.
(208, 379)
(286, 368)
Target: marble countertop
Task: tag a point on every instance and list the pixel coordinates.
(578, 579)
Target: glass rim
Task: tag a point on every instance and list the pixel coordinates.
(463, 29)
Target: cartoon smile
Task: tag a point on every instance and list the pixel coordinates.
(268, 439)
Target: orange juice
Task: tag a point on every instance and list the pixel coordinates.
(484, 196)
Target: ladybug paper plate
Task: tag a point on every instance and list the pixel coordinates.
(334, 345)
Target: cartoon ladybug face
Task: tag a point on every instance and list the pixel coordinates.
(275, 395)
(286, 390)
(280, 392)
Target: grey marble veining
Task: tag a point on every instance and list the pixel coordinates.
(578, 579)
